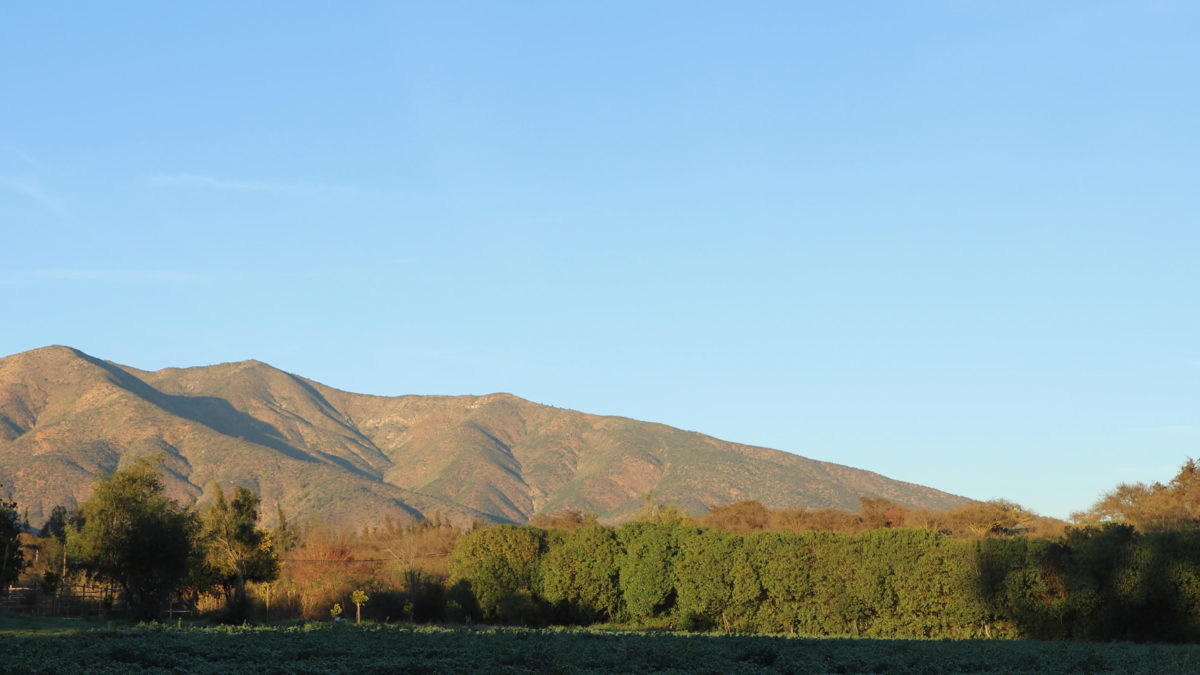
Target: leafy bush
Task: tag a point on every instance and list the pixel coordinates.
(580, 576)
(646, 567)
(498, 563)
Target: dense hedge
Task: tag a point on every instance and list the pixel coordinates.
(1108, 583)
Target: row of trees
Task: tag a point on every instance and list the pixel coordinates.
(1107, 583)
(973, 520)
(406, 566)
(885, 571)
(1130, 570)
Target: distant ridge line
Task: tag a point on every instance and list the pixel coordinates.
(322, 454)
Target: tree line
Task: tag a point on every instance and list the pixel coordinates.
(1128, 570)
(1095, 583)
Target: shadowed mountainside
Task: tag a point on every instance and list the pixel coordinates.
(67, 419)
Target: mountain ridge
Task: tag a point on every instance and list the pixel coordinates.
(68, 418)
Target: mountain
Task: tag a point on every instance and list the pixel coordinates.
(68, 419)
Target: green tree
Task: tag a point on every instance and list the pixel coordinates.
(12, 558)
(236, 550)
(804, 578)
(714, 582)
(784, 567)
(912, 583)
(499, 564)
(1023, 585)
(580, 576)
(647, 580)
(136, 537)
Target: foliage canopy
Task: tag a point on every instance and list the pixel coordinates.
(235, 550)
(136, 537)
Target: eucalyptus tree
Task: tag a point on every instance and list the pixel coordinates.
(235, 550)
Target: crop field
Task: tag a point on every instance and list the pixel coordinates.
(44, 646)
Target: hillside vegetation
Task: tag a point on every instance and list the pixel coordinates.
(67, 419)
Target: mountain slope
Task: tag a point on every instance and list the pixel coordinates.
(67, 419)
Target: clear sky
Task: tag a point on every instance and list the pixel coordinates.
(952, 242)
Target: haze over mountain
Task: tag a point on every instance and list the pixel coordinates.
(68, 419)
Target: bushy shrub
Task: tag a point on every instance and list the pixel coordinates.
(646, 567)
(580, 576)
(497, 563)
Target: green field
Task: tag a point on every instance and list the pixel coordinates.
(44, 646)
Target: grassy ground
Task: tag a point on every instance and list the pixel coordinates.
(72, 645)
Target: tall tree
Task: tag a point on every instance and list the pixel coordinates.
(136, 537)
(12, 559)
(284, 536)
(236, 550)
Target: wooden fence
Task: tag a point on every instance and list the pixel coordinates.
(66, 600)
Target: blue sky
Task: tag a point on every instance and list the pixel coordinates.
(951, 242)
